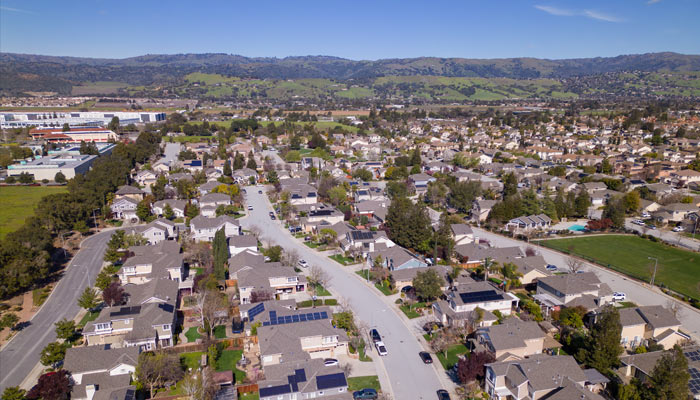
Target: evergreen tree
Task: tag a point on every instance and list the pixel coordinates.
(251, 162)
(604, 349)
(669, 379)
(238, 161)
(168, 212)
(227, 168)
(582, 202)
(409, 224)
(88, 299)
(510, 185)
(221, 254)
(415, 157)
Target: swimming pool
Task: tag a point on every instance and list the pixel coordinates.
(577, 228)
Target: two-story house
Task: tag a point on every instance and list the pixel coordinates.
(101, 372)
(125, 209)
(512, 338)
(269, 278)
(308, 379)
(465, 298)
(178, 207)
(150, 262)
(571, 290)
(204, 229)
(241, 243)
(462, 233)
(650, 324)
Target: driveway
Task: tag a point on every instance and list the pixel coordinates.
(637, 292)
(21, 354)
(401, 371)
(667, 236)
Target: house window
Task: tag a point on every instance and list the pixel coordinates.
(294, 279)
(166, 327)
(102, 327)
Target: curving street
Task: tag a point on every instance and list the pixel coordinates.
(21, 354)
(406, 374)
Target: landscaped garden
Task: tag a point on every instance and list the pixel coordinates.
(342, 259)
(453, 353)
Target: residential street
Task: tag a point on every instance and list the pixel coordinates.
(674, 238)
(636, 291)
(407, 376)
(21, 354)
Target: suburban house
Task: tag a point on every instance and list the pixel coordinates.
(146, 320)
(404, 277)
(464, 299)
(240, 243)
(178, 207)
(538, 377)
(270, 279)
(156, 231)
(512, 338)
(472, 255)
(395, 258)
(571, 290)
(528, 223)
(214, 200)
(131, 192)
(125, 209)
(242, 260)
(650, 324)
(481, 209)
(462, 233)
(532, 268)
(303, 380)
(641, 366)
(150, 262)
(366, 241)
(204, 229)
(145, 177)
(101, 372)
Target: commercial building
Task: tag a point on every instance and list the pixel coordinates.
(76, 118)
(75, 135)
(47, 167)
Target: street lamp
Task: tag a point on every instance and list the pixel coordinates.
(656, 263)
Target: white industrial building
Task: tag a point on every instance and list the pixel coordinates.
(76, 118)
(74, 135)
(47, 167)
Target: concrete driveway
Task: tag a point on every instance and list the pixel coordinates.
(637, 292)
(21, 354)
(401, 372)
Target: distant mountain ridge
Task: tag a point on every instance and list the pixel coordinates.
(38, 72)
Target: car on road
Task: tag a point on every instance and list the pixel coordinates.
(651, 226)
(294, 229)
(330, 362)
(443, 394)
(366, 393)
(303, 264)
(678, 229)
(381, 348)
(425, 356)
(619, 296)
(374, 334)
(272, 217)
(271, 213)
(259, 191)
(551, 267)
(638, 222)
(250, 208)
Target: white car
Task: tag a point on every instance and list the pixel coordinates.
(646, 215)
(303, 264)
(330, 362)
(678, 229)
(381, 348)
(638, 222)
(250, 208)
(619, 296)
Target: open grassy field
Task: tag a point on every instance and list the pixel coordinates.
(18, 204)
(678, 269)
(98, 88)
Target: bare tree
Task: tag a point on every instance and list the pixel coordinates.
(574, 264)
(200, 384)
(257, 296)
(199, 254)
(255, 231)
(290, 258)
(674, 308)
(347, 368)
(317, 277)
(344, 304)
(212, 307)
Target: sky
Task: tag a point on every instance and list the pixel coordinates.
(357, 29)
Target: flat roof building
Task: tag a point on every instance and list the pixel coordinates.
(47, 167)
(76, 118)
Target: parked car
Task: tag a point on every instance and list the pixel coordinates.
(638, 222)
(443, 394)
(425, 356)
(366, 393)
(330, 362)
(678, 229)
(646, 215)
(303, 264)
(271, 213)
(381, 348)
(250, 208)
(619, 296)
(551, 267)
(237, 326)
(651, 226)
(406, 289)
(374, 334)
(244, 191)
(259, 191)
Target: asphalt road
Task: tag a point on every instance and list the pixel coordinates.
(667, 236)
(21, 354)
(636, 291)
(408, 376)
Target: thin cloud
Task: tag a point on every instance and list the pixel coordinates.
(17, 10)
(563, 12)
(653, 1)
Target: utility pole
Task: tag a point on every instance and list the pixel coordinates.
(656, 263)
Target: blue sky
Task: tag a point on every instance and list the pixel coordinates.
(356, 29)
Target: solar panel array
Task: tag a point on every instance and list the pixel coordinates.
(694, 382)
(290, 319)
(255, 311)
(692, 355)
(331, 381)
(477, 297)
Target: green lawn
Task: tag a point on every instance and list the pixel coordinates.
(220, 332)
(190, 139)
(192, 335)
(191, 360)
(18, 204)
(411, 311)
(249, 396)
(678, 269)
(227, 362)
(39, 296)
(452, 355)
(361, 382)
(342, 259)
(384, 289)
(89, 316)
(321, 291)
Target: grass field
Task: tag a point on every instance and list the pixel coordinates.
(227, 362)
(361, 382)
(18, 204)
(453, 354)
(678, 269)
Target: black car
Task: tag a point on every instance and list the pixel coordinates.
(374, 334)
(272, 217)
(237, 326)
(426, 357)
(443, 394)
(259, 191)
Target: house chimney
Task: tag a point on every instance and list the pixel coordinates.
(90, 391)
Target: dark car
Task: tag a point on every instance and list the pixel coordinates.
(244, 191)
(237, 326)
(259, 191)
(425, 356)
(366, 393)
(443, 394)
(272, 217)
(374, 334)
(406, 289)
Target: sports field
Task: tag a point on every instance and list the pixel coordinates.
(678, 269)
(17, 204)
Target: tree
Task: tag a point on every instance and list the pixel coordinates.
(572, 316)
(113, 124)
(52, 354)
(25, 178)
(155, 370)
(363, 174)
(615, 211)
(211, 305)
(143, 210)
(13, 393)
(317, 278)
(337, 195)
(669, 378)
(113, 295)
(274, 253)
(292, 156)
(428, 284)
(251, 162)
(227, 168)
(51, 386)
(462, 195)
(272, 177)
(59, 177)
(221, 254)
(200, 384)
(8, 320)
(168, 212)
(65, 329)
(88, 299)
(472, 368)
(510, 185)
(603, 348)
(582, 202)
(631, 202)
(258, 296)
(408, 224)
(103, 280)
(573, 263)
(191, 210)
(415, 157)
